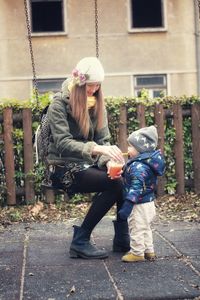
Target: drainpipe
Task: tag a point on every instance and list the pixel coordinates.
(197, 42)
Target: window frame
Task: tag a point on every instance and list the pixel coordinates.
(48, 80)
(151, 88)
(50, 33)
(147, 29)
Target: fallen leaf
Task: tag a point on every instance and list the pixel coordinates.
(37, 208)
(72, 290)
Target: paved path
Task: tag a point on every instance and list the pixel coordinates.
(34, 264)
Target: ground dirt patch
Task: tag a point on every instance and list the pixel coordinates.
(169, 207)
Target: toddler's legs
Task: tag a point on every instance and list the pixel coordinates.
(150, 213)
(136, 224)
(141, 240)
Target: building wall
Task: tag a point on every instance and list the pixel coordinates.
(123, 54)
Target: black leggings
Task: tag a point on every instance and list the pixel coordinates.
(108, 192)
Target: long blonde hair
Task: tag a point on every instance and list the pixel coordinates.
(78, 103)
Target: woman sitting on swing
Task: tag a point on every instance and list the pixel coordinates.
(80, 144)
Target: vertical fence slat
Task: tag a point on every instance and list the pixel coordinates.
(141, 115)
(178, 149)
(196, 145)
(123, 128)
(9, 156)
(28, 155)
(49, 196)
(159, 120)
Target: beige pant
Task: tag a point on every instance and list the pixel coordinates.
(139, 223)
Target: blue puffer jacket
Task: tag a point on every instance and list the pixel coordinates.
(140, 176)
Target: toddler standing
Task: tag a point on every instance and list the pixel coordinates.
(140, 177)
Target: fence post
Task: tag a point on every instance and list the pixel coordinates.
(9, 156)
(196, 145)
(28, 155)
(178, 149)
(123, 128)
(141, 115)
(159, 120)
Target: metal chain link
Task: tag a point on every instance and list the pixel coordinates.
(96, 27)
(31, 52)
(198, 3)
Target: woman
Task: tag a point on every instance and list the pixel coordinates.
(79, 154)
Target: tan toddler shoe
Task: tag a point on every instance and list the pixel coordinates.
(130, 257)
(150, 256)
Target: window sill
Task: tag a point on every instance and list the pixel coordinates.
(141, 30)
(41, 34)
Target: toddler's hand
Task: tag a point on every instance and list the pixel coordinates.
(126, 210)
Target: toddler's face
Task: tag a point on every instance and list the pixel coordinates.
(132, 152)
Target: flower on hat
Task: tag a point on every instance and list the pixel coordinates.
(79, 78)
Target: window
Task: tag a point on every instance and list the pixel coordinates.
(47, 16)
(155, 84)
(49, 85)
(147, 15)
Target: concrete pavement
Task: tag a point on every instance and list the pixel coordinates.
(34, 264)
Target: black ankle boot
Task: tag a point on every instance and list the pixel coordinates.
(121, 241)
(81, 246)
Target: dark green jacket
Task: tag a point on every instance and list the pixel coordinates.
(67, 142)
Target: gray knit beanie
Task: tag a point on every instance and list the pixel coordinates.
(144, 139)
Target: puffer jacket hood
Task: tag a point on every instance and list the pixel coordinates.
(153, 159)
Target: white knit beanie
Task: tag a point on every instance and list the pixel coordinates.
(88, 70)
(144, 139)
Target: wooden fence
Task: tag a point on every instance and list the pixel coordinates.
(177, 113)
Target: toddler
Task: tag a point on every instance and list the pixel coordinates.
(140, 177)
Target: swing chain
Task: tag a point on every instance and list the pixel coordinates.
(198, 3)
(31, 46)
(31, 52)
(96, 28)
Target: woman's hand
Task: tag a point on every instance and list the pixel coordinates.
(112, 151)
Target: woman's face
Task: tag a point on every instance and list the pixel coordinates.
(91, 88)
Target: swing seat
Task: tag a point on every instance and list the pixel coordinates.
(50, 191)
(47, 186)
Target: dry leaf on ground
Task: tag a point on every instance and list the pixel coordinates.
(176, 208)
